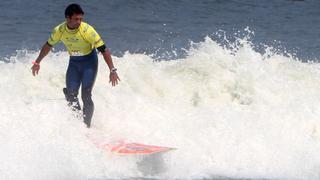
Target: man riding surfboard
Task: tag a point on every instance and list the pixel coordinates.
(81, 41)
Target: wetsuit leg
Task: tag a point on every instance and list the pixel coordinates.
(88, 105)
(89, 74)
(73, 79)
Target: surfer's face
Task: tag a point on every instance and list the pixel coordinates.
(74, 21)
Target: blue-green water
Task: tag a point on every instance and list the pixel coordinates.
(161, 27)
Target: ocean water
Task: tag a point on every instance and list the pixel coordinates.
(229, 84)
(164, 28)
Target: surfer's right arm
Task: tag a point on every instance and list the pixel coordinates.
(36, 64)
(53, 39)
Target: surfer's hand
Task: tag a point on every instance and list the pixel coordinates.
(114, 78)
(35, 68)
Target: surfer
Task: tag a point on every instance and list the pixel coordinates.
(81, 41)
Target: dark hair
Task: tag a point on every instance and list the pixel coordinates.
(73, 9)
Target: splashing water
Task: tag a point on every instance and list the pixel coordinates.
(230, 113)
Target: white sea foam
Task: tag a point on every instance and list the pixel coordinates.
(238, 114)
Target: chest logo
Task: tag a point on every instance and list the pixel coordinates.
(72, 39)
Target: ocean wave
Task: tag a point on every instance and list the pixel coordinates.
(230, 112)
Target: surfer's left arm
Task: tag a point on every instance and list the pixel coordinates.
(94, 38)
(113, 77)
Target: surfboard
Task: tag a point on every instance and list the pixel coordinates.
(131, 148)
(138, 148)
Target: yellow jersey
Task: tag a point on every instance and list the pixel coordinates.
(79, 42)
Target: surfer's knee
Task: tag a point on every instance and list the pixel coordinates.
(86, 97)
(72, 98)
